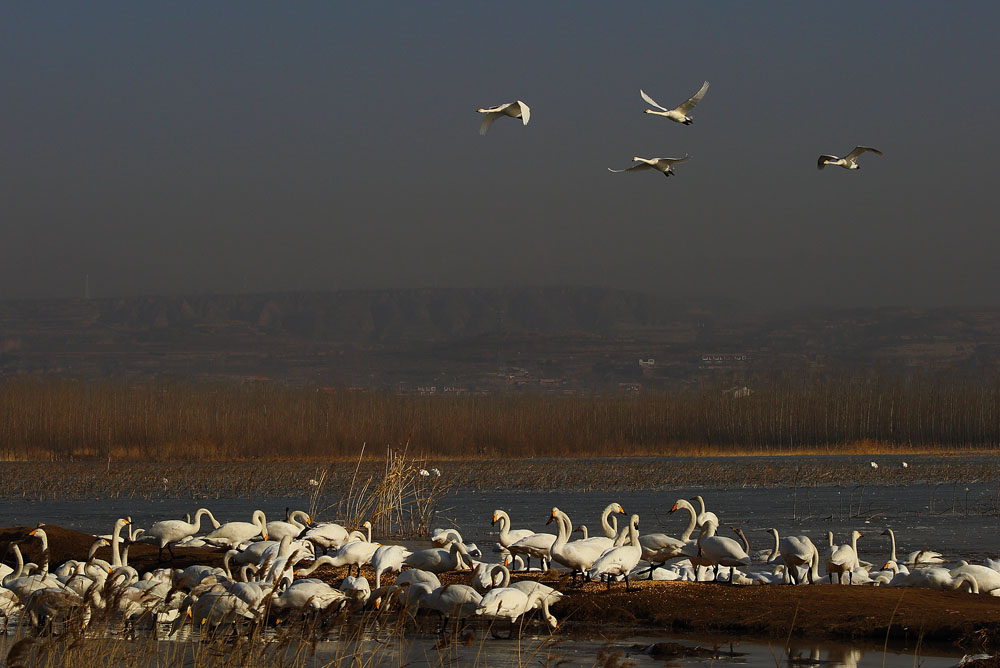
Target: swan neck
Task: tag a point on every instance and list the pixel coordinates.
(17, 572)
(565, 527)
(892, 541)
(692, 521)
(633, 531)
(504, 522)
(503, 572)
(746, 543)
(777, 546)
(116, 541)
(608, 530)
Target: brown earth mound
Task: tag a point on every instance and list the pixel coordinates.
(819, 611)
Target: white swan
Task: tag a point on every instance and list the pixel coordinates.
(917, 558)
(703, 515)
(508, 536)
(439, 559)
(234, 533)
(537, 545)
(444, 537)
(540, 597)
(296, 523)
(796, 551)
(935, 577)
(663, 165)
(680, 113)
(849, 161)
(658, 548)
(841, 559)
(504, 603)
(415, 575)
(720, 550)
(358, 590)
(607, 541)
(309, 594)
(987, 579)
(388, 559)
(579, 555)
(167, 532)
(356, 553)
(453, 600)
(620, 560)
(516, 109)
(327, 536)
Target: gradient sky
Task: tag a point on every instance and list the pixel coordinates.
(223, 147)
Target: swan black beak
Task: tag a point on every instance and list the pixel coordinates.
(550, 520)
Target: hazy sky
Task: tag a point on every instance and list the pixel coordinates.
(221, 147)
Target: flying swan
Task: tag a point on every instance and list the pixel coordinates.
(678, 114)
(849, 161)
(516, 109)
(660, 164)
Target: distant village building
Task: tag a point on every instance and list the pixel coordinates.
(647, 364)
(723, 360)
(739, 392)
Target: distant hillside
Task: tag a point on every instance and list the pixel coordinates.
(556, 339)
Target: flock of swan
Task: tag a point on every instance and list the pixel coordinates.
(265, 574)
(679, 114)
(266, 569)
(709, 557)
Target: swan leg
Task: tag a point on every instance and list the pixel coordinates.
(628, 586)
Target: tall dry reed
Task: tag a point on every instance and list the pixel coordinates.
(62, 419)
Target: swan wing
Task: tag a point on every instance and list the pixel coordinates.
(497, 109)
(690, 103)
(488, 121)
(651, 100)
(525, 112)
(824, 159)
(858, 150)
(634, 168)
(708, 516)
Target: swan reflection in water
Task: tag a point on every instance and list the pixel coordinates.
(837, 656)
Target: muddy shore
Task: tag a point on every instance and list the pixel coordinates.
(971, 622)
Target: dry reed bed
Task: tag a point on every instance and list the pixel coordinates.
(62, 419)
(145, 480)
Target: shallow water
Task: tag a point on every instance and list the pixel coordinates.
(940, 517)
(477, 647)
(957, 519)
